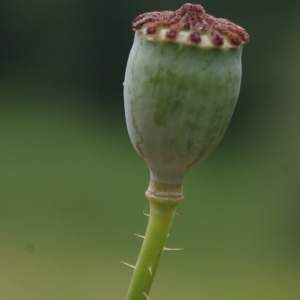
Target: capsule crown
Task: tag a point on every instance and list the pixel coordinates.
(190, 25)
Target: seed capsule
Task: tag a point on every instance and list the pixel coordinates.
(181, 85)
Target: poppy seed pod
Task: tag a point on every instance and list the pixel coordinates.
(181, 86)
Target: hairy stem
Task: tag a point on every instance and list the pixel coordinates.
(162, 211)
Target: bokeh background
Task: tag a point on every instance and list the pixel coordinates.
(72, 187)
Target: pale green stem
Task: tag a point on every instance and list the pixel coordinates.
(162, 212)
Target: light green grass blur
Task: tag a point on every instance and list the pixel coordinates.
(72, 196)
(72, 186)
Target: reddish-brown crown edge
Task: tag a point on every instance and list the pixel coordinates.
(194, 19)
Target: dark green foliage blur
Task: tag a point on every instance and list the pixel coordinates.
(72, 186)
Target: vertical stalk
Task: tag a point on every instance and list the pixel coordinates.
(163, 200)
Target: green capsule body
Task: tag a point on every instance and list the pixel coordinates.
(179, 100)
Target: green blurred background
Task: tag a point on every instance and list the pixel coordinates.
(72, 187)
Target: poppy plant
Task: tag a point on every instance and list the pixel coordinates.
(181, 85)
